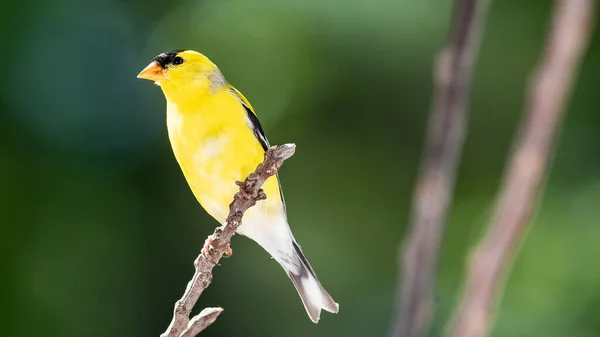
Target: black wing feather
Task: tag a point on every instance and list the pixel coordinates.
(260, 136)
(256, 128)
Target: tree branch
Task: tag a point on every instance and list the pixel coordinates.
(434, 188)
(567, 41)
(201, 321)
(218, 243)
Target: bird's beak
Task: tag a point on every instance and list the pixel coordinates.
(153, 72)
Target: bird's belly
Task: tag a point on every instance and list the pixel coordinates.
(213, 165)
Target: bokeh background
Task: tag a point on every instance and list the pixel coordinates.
(99, 229)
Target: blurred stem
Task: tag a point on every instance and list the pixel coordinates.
(434, 188)
(552, 82)
(218, 244)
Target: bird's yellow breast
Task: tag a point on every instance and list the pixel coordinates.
(215, 147)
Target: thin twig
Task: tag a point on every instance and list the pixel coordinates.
(548, 93)
(434, 188)
(217, 245)
(201, 321)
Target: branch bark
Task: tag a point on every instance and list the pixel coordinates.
(434, 188)
(549, 91)
(218, 244)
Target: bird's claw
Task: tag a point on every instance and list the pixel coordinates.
(228, 252)
(243, 193)
(207, 247)
(261, 195)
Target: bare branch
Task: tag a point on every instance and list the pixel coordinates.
(434, 188)
(549, 91)
(201, 321)
(218, 244)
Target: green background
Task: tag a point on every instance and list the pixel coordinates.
(99, 228)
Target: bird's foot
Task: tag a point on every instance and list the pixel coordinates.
(245, 194)
(228, 252)
(261, 195)
(207, 247)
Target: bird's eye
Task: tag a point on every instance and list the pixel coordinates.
(177, 60)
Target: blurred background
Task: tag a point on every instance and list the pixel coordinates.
(99, 229)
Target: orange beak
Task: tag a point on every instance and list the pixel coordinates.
(153, 72)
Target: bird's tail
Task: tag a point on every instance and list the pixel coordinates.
(313, 295)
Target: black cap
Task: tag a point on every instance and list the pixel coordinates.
(167, 58)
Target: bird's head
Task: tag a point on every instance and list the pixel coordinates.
(181, 71)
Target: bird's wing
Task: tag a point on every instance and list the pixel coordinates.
(257, 129)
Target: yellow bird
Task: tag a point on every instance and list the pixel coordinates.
(218, 140)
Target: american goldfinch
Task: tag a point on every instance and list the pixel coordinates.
(218, 140)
